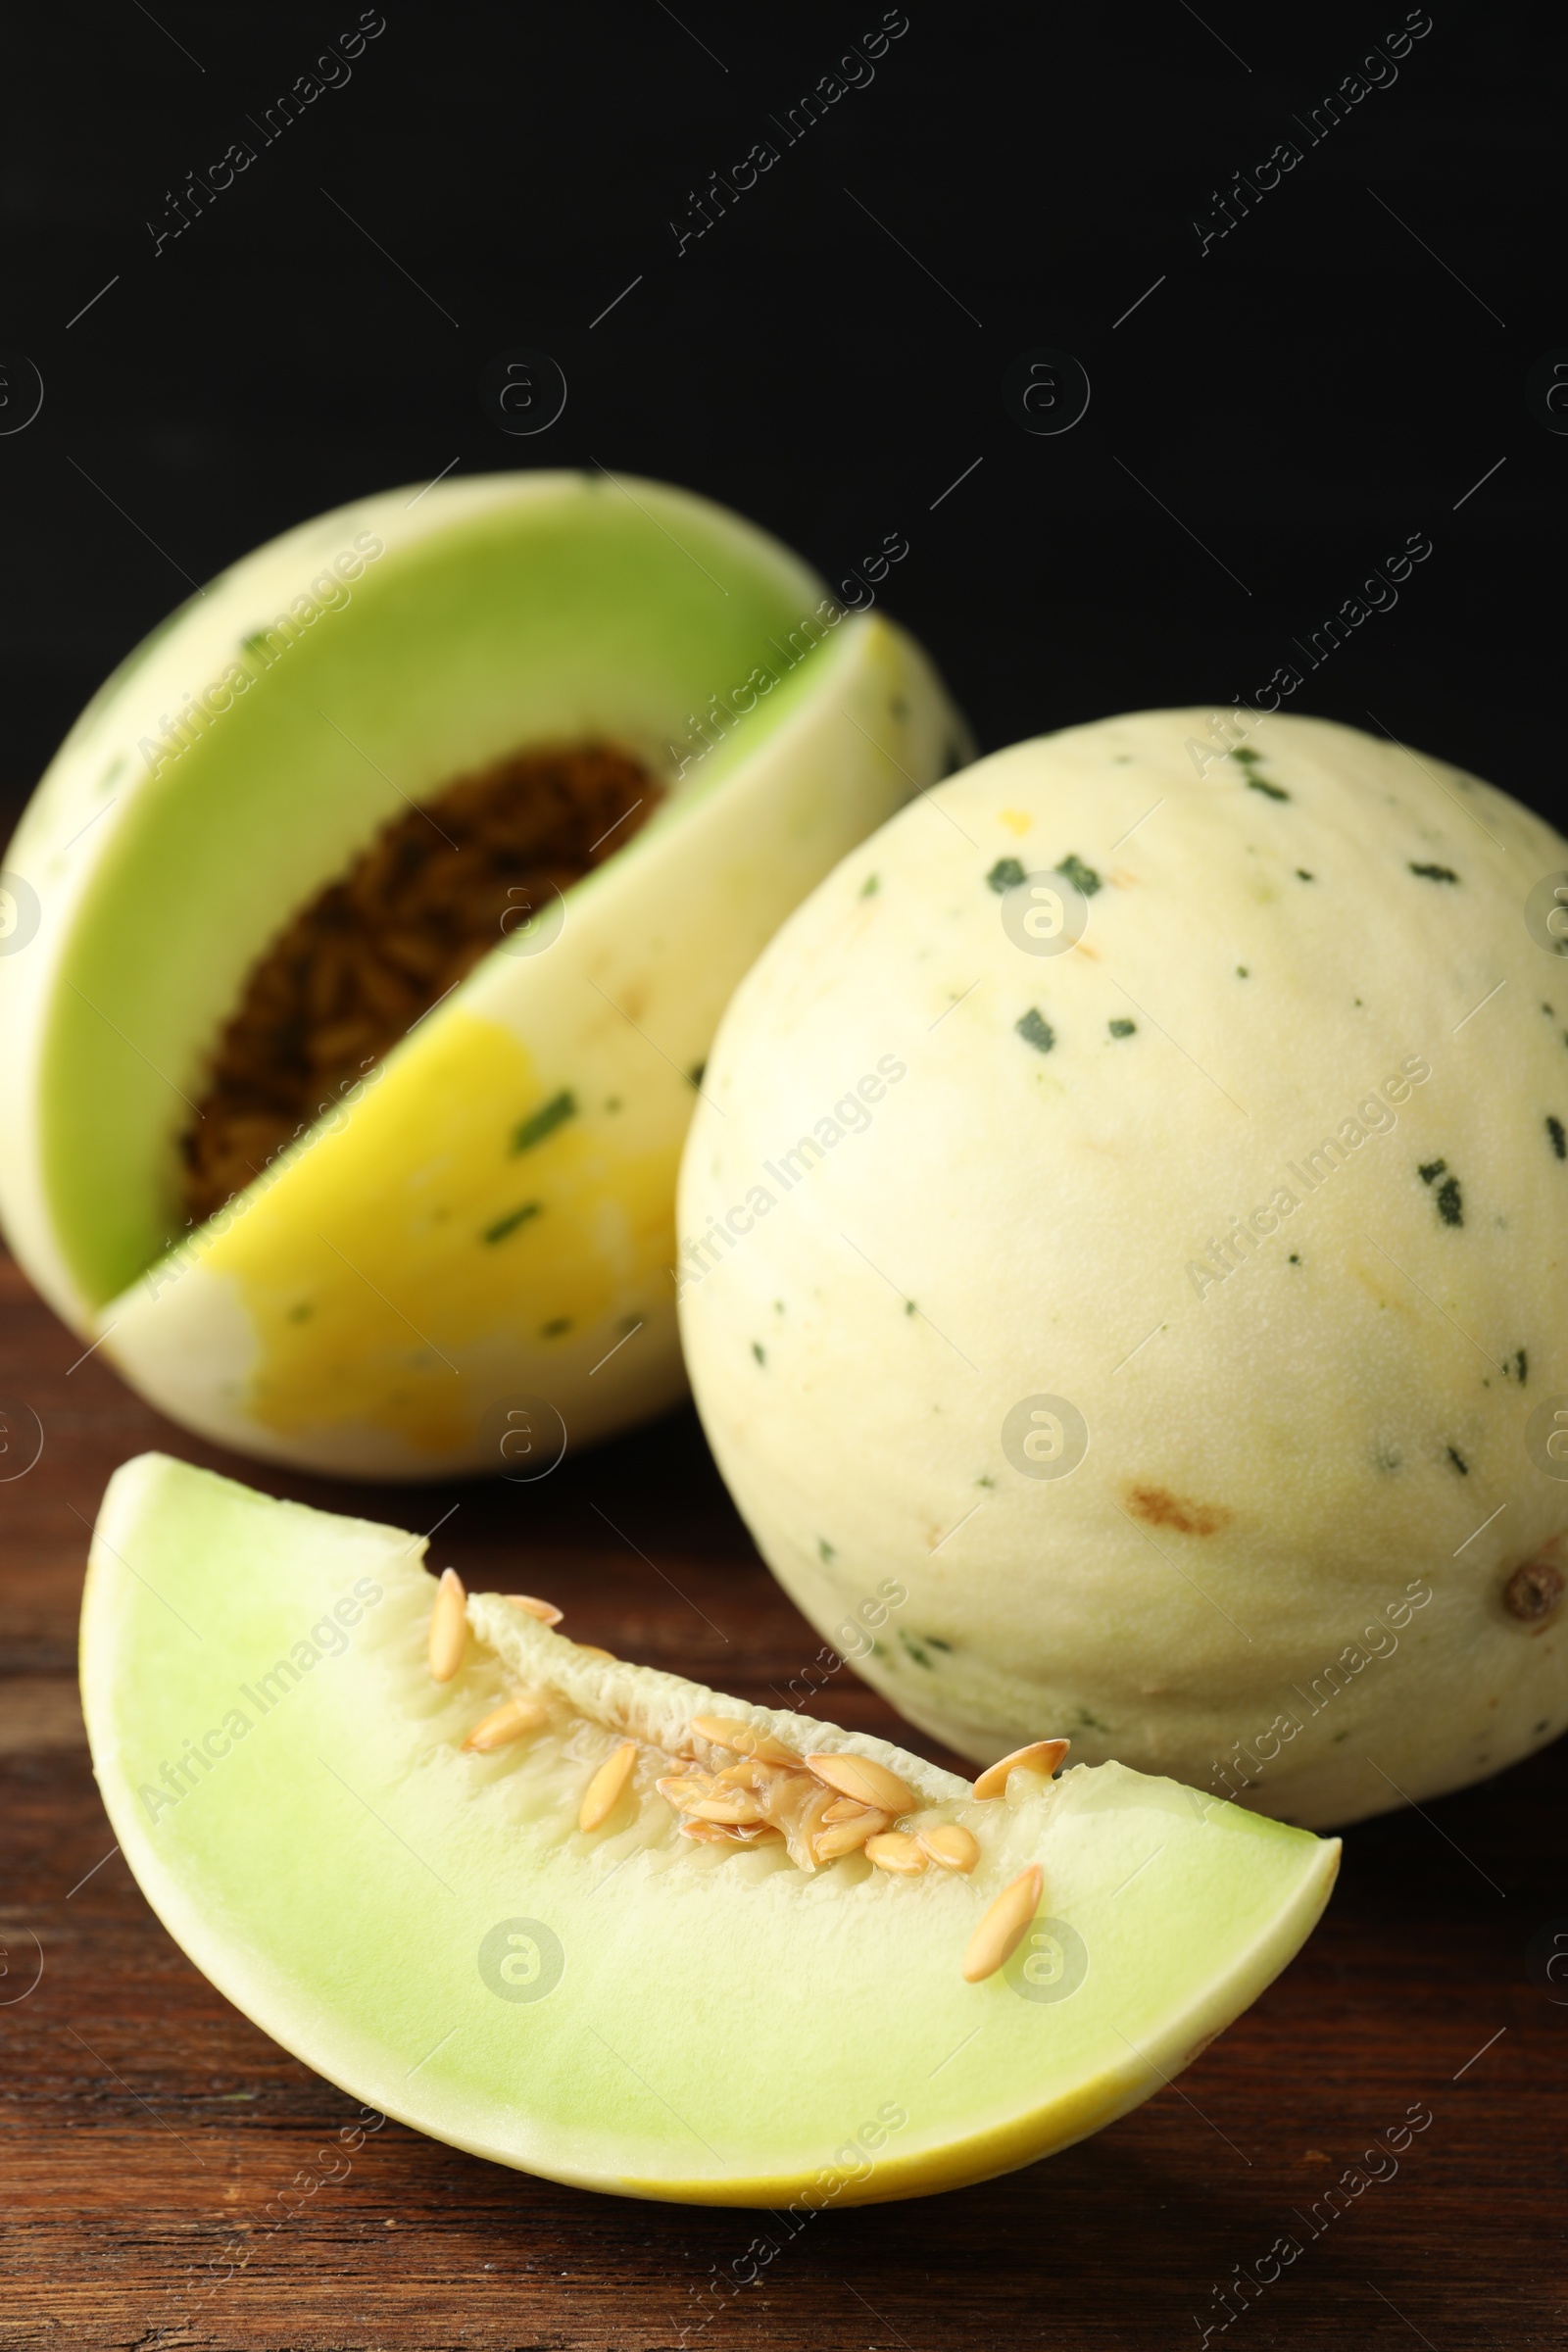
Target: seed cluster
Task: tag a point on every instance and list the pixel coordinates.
(819, 1807)
(436, 890)
(735, 1785)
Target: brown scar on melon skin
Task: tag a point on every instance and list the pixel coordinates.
(1161, 1508)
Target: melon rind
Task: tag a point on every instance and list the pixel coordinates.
(1315, 1453)
(724, 2029)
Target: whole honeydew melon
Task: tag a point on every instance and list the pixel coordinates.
(484, 1942)
(483, 1227)
(1133, 1216)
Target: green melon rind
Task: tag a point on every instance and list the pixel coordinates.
(723, 2033)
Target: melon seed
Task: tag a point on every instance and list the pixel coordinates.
(996, 1937)
(603, 1792)
(1041, 1758)
(951, 1845)
(713, 1833)
(870, 1783)
(507, 1723)
(449, 1626)
(744, 1738)
(895, 1853)
(848, 1836)
(678, 1787)
(737, 1810)
(545, 1610)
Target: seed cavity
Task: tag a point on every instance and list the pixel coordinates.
(996, 1937)
(604, 1791)
(1041, 1759)
(448, 1627)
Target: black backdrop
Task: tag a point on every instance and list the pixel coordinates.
(1272, 413)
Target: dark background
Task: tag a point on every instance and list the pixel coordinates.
(1272, 421)
(1320, 383)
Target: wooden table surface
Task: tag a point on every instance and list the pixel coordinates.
(146, 2122)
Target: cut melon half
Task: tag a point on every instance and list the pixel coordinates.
(642, 2007)
(489, 1215)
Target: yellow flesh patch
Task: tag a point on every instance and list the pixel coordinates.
(381, 1227)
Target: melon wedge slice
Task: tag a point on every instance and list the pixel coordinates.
(627, 2008)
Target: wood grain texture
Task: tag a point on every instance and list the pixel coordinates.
(146, 2123)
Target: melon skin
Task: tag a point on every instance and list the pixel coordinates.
(1300, 1473)
(431, 1930)
(351, 1312)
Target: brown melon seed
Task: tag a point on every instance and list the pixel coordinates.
(894, 1852)
(545, 1610)
(846, 1808)
(868, 1782)
(603, 1792)
(510, 1722)
(996, 1937)
(747, 1774)
(1041, 1758)
(951, 1845)
(448, 1627)
(745, 1738)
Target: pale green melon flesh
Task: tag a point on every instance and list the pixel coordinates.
(726, 2028)
(556, 606)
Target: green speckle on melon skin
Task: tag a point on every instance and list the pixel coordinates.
(1211, 1409)
(542, 1123)
(1082, 878)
